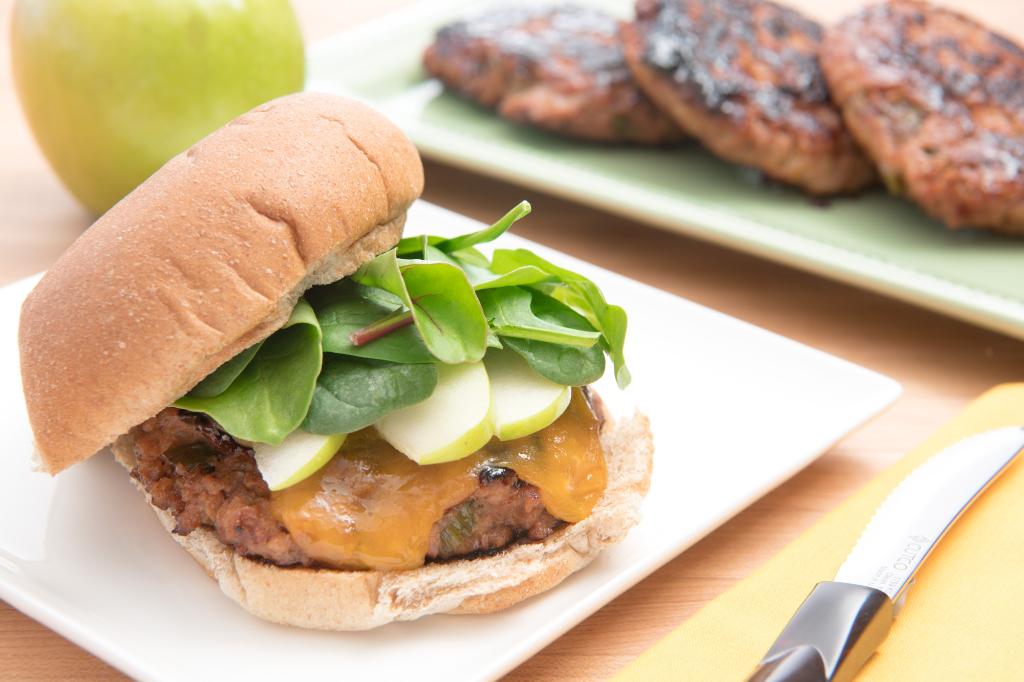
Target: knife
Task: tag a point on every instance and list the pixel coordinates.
(841, 623)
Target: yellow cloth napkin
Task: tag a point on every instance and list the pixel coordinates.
(963, 619)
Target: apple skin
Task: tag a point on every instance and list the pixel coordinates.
(454, 422)
(296, 458)
(112, 89)
(522, 401)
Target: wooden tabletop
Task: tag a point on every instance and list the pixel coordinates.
(941, 363)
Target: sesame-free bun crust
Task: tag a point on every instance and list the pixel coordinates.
(204, 259)
(329, 599)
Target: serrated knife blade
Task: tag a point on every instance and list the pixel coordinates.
(843, 621)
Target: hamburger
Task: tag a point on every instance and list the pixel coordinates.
(343, 427)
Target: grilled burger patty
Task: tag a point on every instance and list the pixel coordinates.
(938, 102)
(195, 470)
(502, 510)
(558, 67)
(742, 76)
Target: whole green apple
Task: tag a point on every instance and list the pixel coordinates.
(114, 88)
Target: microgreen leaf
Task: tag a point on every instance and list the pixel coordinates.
(383, 273)
(523, 276)
(488, 234)
(412, 247)
(471, 256)
(270, 397)
(613, 326)
(350, 310)
(434, 254)
(580, 294)
(566, 365)
(218, 381)
(508, 310)
(444, 307)
(353, 393)
(446, 311)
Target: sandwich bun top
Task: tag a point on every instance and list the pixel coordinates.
(205, 258)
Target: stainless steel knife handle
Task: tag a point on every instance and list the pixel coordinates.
(829, 638)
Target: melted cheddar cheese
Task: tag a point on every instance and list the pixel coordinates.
(371, 507)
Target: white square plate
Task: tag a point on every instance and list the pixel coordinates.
(735, 410)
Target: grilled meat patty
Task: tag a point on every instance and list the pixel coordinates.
(938, 102)
(502, 510)
(193, 469)
(557, 67)
(200, 474)
(742, 76)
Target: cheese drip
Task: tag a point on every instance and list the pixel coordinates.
(371, 507)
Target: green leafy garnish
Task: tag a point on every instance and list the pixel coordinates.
(524, 276)
(353, 393)
(488, 234)
(412, 247)
(371, 344)
(580, 294)
(270, 397)
(509, 312)
(350, 310)
(218, 382)
(566, 365)
(443, 306)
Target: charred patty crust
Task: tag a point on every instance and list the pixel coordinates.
(938, 101)
(557, 67)
(742, 76)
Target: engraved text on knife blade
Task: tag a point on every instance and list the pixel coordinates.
(919, 511)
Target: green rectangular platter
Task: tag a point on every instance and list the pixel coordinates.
(875, 241)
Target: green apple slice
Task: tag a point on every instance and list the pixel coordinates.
(454, 422)
(522, 401)
(296, 458)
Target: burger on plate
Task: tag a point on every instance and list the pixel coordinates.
(343, 427)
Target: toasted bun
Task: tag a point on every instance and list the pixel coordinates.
(205, 258)
(328, 599)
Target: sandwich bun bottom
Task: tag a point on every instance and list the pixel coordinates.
(331, 599)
